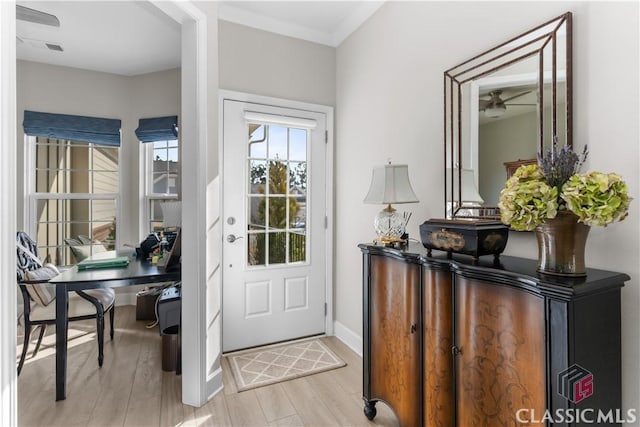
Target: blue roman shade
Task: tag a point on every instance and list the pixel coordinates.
(73, 128)
(157, 129)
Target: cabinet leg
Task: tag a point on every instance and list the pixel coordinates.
(370, 409)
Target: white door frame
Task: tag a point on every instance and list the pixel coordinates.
(8, 293)
(193, 138)
(285, 103)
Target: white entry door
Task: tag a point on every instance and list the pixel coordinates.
(274, 224)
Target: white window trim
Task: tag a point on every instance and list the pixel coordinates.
(145, 185)
(30, 214)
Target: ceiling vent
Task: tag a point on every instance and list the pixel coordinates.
(55, 47)
(40, 44)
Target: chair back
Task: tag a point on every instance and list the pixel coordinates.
(27, 255)
(33, 276)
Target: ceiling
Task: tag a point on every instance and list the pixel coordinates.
(126, 38)
(134, 37)
(324, 22)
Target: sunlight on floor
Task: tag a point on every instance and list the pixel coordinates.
(77, 337)
(194, 422)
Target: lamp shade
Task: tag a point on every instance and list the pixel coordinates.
(390, 185)
(470, 192)
(171, 213)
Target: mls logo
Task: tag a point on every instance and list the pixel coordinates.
(575, 383)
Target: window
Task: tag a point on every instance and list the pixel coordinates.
(277, 195)
(74, 191)
(162, 179)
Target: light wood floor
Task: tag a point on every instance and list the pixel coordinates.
(132, 390)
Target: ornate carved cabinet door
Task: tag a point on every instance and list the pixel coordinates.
(395, 341)
(501, 361)
(439, 405)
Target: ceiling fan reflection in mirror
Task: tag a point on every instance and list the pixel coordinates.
(495, 106)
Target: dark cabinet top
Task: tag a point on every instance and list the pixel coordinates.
(508, 270)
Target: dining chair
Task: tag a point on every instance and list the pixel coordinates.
(38, 297)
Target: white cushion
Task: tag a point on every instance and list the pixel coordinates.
(42, 293)
(82, 252)
(78, 306)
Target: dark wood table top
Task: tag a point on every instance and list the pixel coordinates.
(138, 271)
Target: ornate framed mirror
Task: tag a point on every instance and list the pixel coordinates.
(503, 107)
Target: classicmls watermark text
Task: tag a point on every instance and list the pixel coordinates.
(576, 384)
(585, 416)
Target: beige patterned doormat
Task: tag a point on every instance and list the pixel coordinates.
(272, 364)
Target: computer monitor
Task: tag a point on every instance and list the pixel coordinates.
(172, 261)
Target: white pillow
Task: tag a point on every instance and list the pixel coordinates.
(42, 293)
(81, 252)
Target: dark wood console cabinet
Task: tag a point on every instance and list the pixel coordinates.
(448, 343)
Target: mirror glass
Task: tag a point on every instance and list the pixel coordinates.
(502, 108)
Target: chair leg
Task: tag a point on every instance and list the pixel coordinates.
(27, 335)
(43, 328)
(111, 316)
(100, 330)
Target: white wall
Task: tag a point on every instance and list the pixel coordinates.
(262, 63)
(389, 105)
(55, 89)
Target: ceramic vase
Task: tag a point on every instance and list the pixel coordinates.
(561, 245)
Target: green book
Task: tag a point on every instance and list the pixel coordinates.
(90, 264)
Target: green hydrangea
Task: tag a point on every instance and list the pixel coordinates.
(527, 201)
(597, 198)
(535, 193)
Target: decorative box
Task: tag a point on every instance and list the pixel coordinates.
(475, 237)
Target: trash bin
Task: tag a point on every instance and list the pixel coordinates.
(170, 352)
(169, 312)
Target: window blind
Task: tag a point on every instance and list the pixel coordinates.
(276, 119)
(73, 128)
(157, 129)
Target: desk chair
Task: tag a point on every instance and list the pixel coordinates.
(38, 296)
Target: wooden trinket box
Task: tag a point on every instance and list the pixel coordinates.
(475, 237)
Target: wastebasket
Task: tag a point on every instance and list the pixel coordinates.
(169, 312)
(171, 352)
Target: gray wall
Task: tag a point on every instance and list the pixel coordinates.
(504, 141)
(55, 89)
(509, 140)
(269, 64)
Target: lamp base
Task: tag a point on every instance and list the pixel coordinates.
(389, 224)
(390, 241)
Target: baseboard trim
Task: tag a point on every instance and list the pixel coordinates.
(347, 336)
(125, 299)
(214, 383)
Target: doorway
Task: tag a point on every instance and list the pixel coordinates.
(196, 377)
(275, 167)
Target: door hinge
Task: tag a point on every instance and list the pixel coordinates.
(326, 222)
(325, 309)
(326, 136)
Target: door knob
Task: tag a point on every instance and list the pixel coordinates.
(232, 238)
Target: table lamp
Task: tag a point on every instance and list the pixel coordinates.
(469, 195)
(390, 185)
